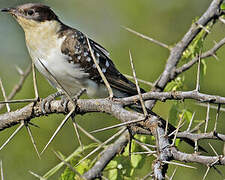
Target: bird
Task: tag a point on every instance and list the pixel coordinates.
(62, 55)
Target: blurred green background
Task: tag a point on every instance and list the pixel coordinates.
(101, 20)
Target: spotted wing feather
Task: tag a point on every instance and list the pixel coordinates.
(75, 46)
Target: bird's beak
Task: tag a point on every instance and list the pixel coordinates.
(12, 11)
(5, 9)
(9, 10)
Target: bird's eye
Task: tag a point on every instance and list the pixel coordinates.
(30, 12)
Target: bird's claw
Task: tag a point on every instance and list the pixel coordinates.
(46, 103)
(65, 100)
(64, 103)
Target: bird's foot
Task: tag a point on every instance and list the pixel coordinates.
(64, 103)
(45, 105)
(65, 100)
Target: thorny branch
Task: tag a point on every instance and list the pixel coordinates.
(104, 105)
(165, 152)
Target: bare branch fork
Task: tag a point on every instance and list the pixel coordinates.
(165, 152)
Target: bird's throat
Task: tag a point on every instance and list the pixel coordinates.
(42, 37)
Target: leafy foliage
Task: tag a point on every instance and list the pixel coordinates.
(123, 166)
(175, 85)
(73, 158)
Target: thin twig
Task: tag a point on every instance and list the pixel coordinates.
(207, 117)
(100, 71)
(1, 167)
(75, 125)
(217, 117)
(171, 178)
(140, 80)
(179, 164)
(13, 134)
(35, 81)
(147, 38)
(178, 127)
(145, 147)
(192, 118)
(18, 101)
(206, 173)
(4, 95)
(145, 152)
(67, 164)
(211, 106)
(57, 130)
(89, 135)
(198, 136)
(36, 175)
(137, 86)
(117, 125)
(197, 126)
(141, 143)
(147, 176)
(213, 149)
(32, 139)
(204, 28)
(198, 74)
(166, 129)
(102, 145)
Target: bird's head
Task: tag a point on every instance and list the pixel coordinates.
(31, 15)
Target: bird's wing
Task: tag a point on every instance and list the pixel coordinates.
(76, 47)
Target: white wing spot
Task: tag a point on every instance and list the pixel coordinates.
(85, 54)
(103, 70)
(78, 57)
(88, 59)
(77, 51)
(107, 63)
(94, 66)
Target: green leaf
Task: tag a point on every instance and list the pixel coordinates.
(195, 47)
(84, 166)
(222, 7)
(113, 174)
(126, 151)
(135, 160)
(175, 85)
(112, 165)
(203, 68)
(187, 114)
(141, 138)
(67, 175)
(177, 142)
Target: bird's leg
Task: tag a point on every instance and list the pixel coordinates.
(45, 105)
(78, 95)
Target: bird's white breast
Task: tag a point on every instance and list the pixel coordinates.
(44, 47)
